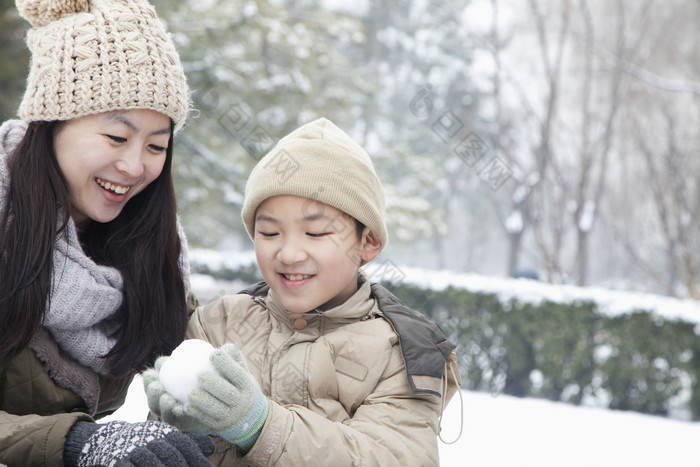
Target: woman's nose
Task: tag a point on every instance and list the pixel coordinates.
(131, 163)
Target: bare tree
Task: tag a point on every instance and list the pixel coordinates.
(570, 108)
(663, 140)
(675, 197)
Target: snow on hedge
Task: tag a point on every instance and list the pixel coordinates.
(610, 302)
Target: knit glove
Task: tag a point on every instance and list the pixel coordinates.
(169, 409)
(141, 444)
(227, 403)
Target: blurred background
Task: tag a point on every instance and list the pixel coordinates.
(540, 161)
(549, 139)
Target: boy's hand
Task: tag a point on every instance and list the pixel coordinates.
(229, 400)
(166, 406)
(227, 403)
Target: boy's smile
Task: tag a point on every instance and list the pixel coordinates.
(295, 280)
(309, 252)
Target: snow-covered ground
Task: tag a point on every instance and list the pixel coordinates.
(507, 431)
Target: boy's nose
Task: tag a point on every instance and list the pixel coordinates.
(291, 253)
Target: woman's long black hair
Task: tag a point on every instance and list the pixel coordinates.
(142, 243)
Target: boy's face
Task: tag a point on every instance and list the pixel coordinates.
(309, 253)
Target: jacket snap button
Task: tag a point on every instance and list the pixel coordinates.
(300, 324)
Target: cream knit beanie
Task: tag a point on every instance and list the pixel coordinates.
(92, 56)
(321, 162)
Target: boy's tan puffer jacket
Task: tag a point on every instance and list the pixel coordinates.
(339, 388)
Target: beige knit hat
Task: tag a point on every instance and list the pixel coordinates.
(92, 56)
(321, 162)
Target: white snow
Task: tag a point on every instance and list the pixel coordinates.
(216, 258)
(611, 302)
(514, 222)
(585, 223)
(179, 373)
(506, 431)
(520, 194)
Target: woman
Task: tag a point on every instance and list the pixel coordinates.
(94, 275)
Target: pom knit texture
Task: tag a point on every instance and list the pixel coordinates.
(97, 56)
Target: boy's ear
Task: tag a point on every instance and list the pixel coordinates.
(370, 245)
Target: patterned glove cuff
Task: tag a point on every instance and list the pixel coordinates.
(245, 435)
(76, 439)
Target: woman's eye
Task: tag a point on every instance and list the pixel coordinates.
(117, 139)
(156, 148)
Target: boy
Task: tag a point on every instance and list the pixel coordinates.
(326, 367)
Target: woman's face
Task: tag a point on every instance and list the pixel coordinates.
(109, 158)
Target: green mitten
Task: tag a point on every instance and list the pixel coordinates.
(229, 401)
(166, 406)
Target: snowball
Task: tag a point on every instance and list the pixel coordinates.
(179, 372)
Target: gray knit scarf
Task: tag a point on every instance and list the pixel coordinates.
(84, 296)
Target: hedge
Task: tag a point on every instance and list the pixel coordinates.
(568, 352)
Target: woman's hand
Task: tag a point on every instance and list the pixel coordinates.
(147, 444)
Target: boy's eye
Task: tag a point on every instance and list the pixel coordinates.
(267, 234)
(317, 235)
